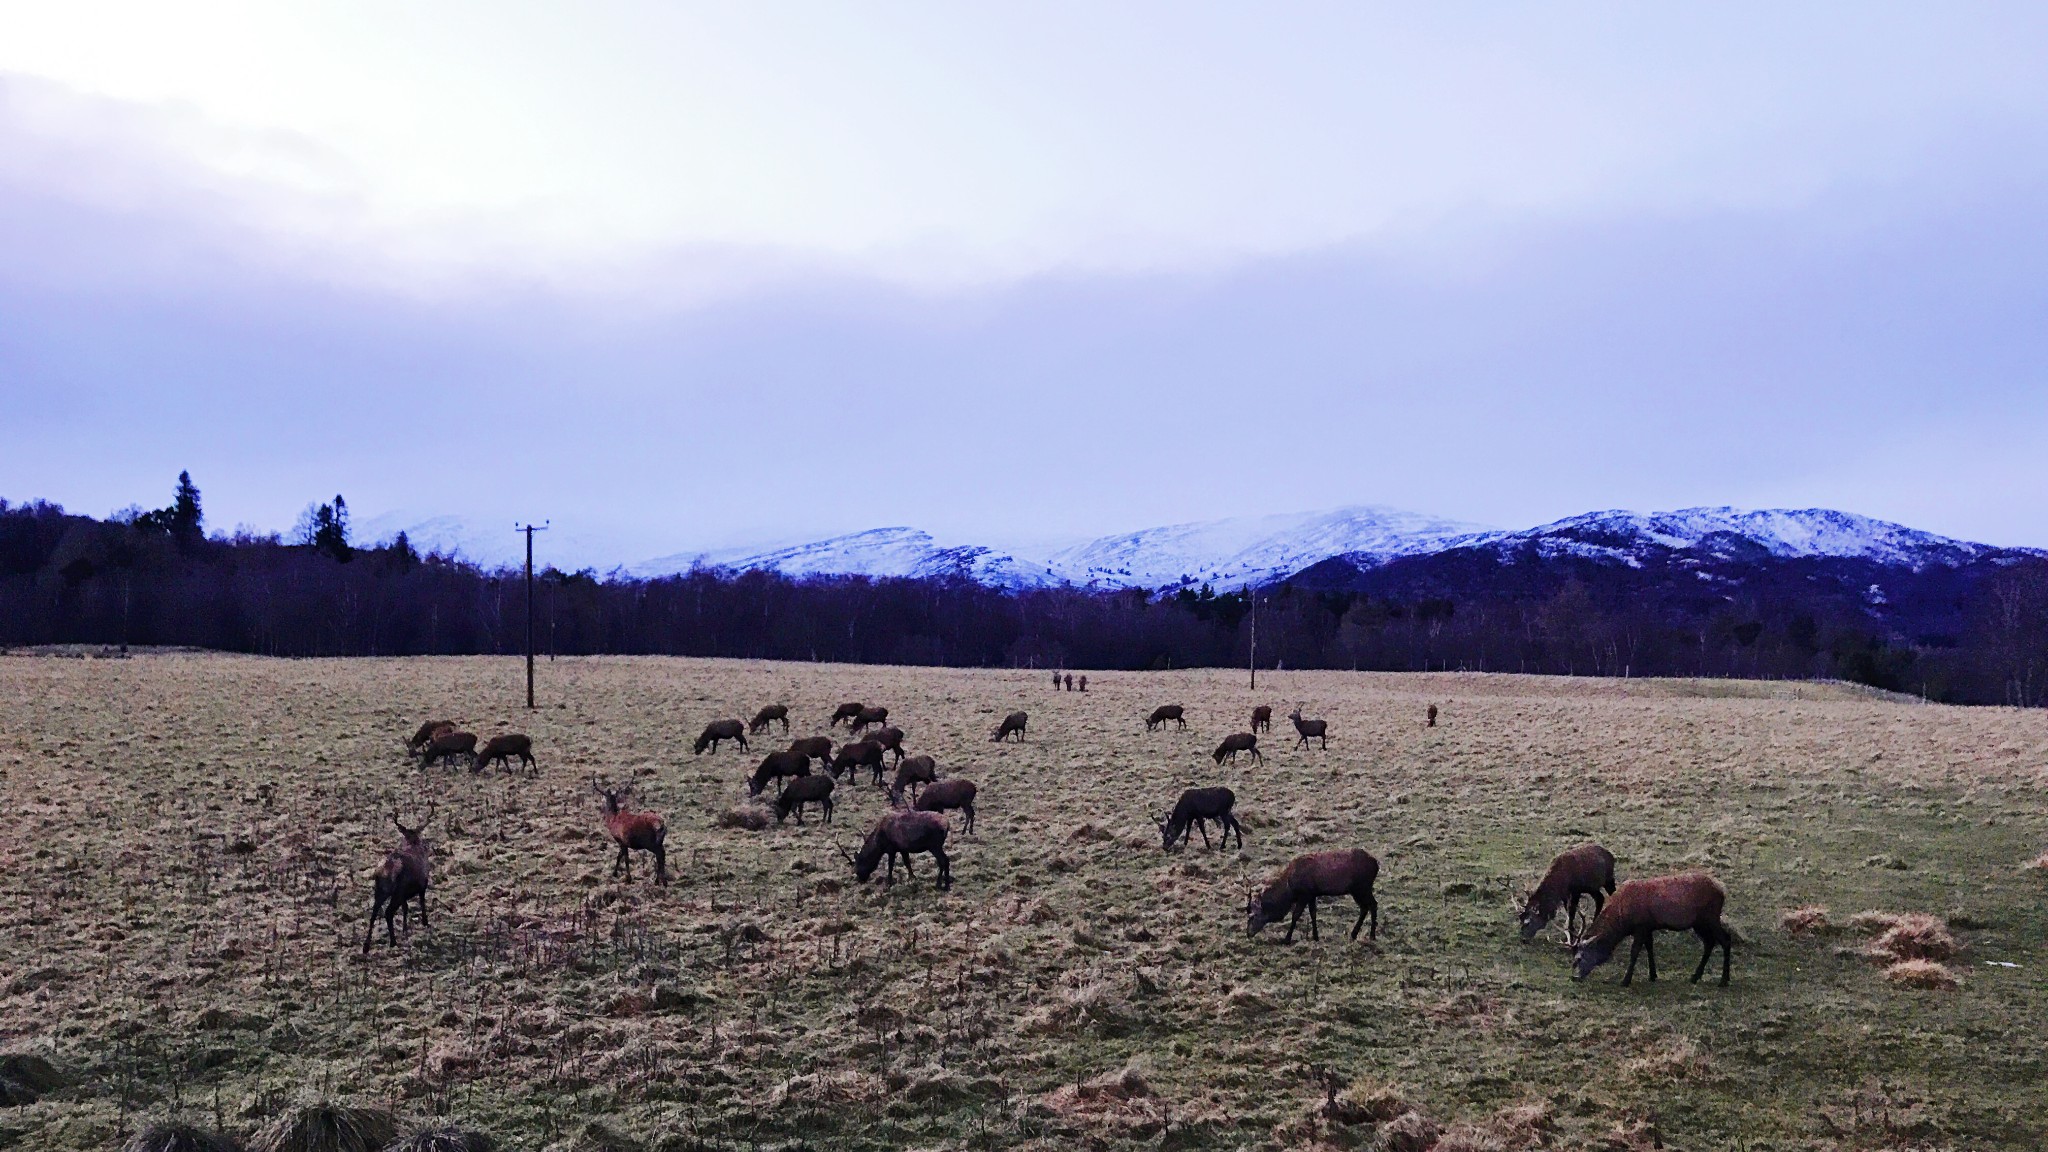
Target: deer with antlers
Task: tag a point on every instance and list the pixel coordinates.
(633, 831)
(1576, 873)
(903, 834)
(1308, 878)
(402, 879)
(1309, 730)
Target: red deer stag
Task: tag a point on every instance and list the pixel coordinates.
(915, 772)
(1235, 743)
(818, 748)
(776, 766)
(448, 746)
(1309, 730)
(501, 750)
(402, 879)
(1639, 909)
(805, 790)
(767, 716)
(1431, 714)
(1262, 718)
(1198, 806)
(1014, 722)
(1587, 870)
(720, 730)
(890, 738)
(633, 832)
(944, 795)
(903, 834)
(1163, 715)
(858, 754)
(1345, 872)
(846, 711)
(425, 735)
(868, 718)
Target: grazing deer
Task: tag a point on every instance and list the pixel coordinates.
(776, 766)
(890, 738)
(805, 790)
(818, 748)
(633, 831)
(915, 772)
(1309, 730)
(868, 718)
(944, 795)
(1262, 718)
(1235, 743)
(767, 716)
(501, 750)
(448, 746)
(1639, 909)
(858, 754)
(1432, 717)
(1587, 870)
(1084, 683)
(1014, 722)
(1196, 807)
(846, 711)
(425, 735)
(1163, 715)
(1345, 872)
(719, 730)
(403, 878)
(903, 834)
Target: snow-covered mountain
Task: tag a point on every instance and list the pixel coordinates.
(493, 543)
(1255, 549)
(876, 552)
(1735, 533)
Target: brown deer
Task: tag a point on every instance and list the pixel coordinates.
(890, 738)
(903, 834)
(1639, 909)
(448, 746)
(402, 879)
(776, 766)
(1163, 715)
(1262, 718)
(868, 718)
(767, 716)
(858, 754)
(720, 730)
(1196, 807)
(1235, 743)
(915, 772)
(846, 711)
(944, 795)
(1344, 872)
(1014, 722)
(633, 831)
(501, 750)
(805, 790)
(1431, 714)
(818, 748)
(1587, 870)
(1309, 730)
(425, 735)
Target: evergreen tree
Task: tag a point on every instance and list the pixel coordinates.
(327, 530)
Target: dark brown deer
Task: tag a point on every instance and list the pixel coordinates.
(868, 718)
(915, 772)
(1307, 878)
(1432, 717)
(903, 834)
(890, 738)
(1014, 722)
(1163, 715)
(1309, 730)
(1638, 910)
(501, 750)
(448, 746)
(846, 711)
(776, 766)
(1262, 718)
(944, 795)
(1235, 743)
(425, 735)
(633, 832)
(818, 748)
(1587, 870)
(767, 716)
(1196, 807)
(401, 880)
(805, 790)
(720, 730)
(855, 755)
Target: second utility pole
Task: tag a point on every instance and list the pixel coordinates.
(529, 529)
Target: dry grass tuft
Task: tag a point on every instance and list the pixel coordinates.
(597, 1137)
(1872, 923)
(327, 1126)
(179, 1137)
(445, 1138)
(2038, 863)
(1409, 1132)
(1122, 1099)
(1367, 1101)
(746, 816)
(1678, 1059)
(1921, 974)
(1812, 920)
(1914, 936)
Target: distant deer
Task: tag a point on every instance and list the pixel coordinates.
(1432, 717)
(1084, 683)
(767, 716)
(868, 718)
(1638, 910)
(858, 754)
(1163, 715)
(719, 730)
(818, 748)
(944, 795)
(448, 746)
(805, 790)
(1308, 730)
(846, 711)
(903, 834)
(1014, 722)
(1235, 743)
(1070, 683)
(501, 750)
(403, 878)
(777, 766)
(633, 832)
(890, 738)
(1055, 681)
(1262, 718)
(915, 772)
(1198, 806)
(1587, 870)
(425, 735)
(1307, 878)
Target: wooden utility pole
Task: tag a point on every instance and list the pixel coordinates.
(529, 529)
(1254, 598)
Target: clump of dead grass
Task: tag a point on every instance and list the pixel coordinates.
(1909, 936)
(1122, 1099)
(2038, 863)
(175, 1136)
(1678, 1059)
(1921, 974)
(316, 1125)
(1811, 920)
(1409, 1132)
(745, 816)
(445, 1138)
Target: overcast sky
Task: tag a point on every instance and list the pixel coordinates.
(699, 275)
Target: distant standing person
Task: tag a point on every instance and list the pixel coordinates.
(1084, 683)
(1432, 716)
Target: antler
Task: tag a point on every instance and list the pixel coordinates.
(843, 851)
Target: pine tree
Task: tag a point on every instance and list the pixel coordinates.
(186, 519)
(329, 530)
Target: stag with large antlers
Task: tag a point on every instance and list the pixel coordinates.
(1310, 729)
(633, 831)
(1308, 878)
(1587, 870)
(402, 879)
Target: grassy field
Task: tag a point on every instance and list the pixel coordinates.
(185, 839)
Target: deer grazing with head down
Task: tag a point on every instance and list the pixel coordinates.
(1014, 722)
(846, 711)
(1307, 878)
(1262, 718)
(858, 754)
(903, 834)
(914, 772)
(1309, 730)
(450, 745)
(425, 735)
(946, 795)
(801, 791)
(1163, 715)
(868, 718)
(719, 730)
(776, 766)
(402, 879)
(1235, 743)
(1196, 807)
(890, 738)
(767, 716)
(633, 832)
(818, 748)
(1587, 870)
(1638, 910)
(501, 750)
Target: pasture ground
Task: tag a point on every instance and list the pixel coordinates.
(185, 838)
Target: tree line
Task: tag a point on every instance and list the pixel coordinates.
(157, 578)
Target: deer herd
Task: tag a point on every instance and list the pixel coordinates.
(917, 824)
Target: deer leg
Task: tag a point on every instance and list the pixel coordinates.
(945, 868)
(1314, 927)
(1707, 939)
(376, 905)
(1202, 826)
(1727, 937)
(1363, 904)
(623, 863)
(1293, 923)
(423, 908)
(1258, 757)
(1650, 947)
(661, 865)
(1635, 945)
